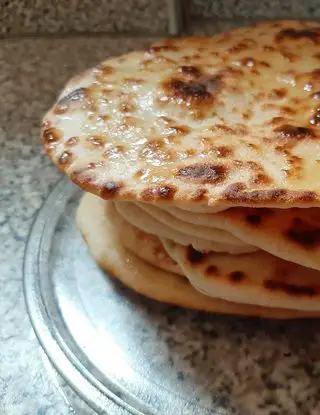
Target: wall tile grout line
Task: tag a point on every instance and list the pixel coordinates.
(175, 17)
(82, 35)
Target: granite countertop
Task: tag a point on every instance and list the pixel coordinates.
(32, 72)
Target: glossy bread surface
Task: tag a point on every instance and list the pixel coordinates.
(231, 120)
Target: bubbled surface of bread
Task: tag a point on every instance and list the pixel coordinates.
(231, 120)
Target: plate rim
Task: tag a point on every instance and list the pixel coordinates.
(41, 322)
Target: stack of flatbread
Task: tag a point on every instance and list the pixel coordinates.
(201, 162)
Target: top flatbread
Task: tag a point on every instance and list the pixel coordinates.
(231, 120)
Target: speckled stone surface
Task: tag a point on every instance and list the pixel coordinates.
(29, 16)
(31, 73)
(266, 9)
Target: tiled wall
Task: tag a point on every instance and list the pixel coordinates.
(211, 16)
(66, 16)
(25, 17)
(256, 9)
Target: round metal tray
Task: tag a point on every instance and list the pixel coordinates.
(109, 343)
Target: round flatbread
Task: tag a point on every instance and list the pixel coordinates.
(139, 218)
(231, 120)
(290, 234)
(144, 245)
(102, 239)
(257, 278)
(210, 233)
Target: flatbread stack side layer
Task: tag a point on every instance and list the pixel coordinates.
(102, 237)
(148, 247)
(201, 162)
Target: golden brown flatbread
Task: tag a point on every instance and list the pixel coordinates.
(144, 245)
(211, 233)
(138, 217)
(231, 120)
(291, 234)
(257, 278)
(103, 241)
(209, 149)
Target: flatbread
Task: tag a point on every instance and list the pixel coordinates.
(196, 208)
(144, 245)
(142, 220)
(103, 241)
(231, 120)
(258, 278)
(290, 234)
(210, 233)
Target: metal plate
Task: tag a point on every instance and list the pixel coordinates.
(149, 358)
